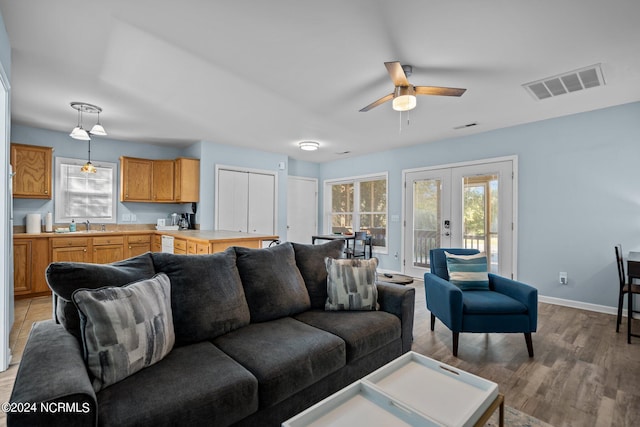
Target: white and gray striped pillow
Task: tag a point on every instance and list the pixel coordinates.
(351, 284)
(468, 272)
(125, 329)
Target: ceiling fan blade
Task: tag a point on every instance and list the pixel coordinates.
(396, 73)
(378, 102)
(439, 91)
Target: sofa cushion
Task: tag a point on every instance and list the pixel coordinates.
(207, 297)
(194, 385)
(310, 262)
(285, 355)
(272, 283)
(65, 277)
(125, 329)
(351, 284)
(468, 272)
(489, 302)
(363, 332)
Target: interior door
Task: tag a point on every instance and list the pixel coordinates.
(302, 209)
(467, 206)
(261, 206)
(233, 200)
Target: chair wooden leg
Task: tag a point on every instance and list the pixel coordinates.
(433, 321)
(620, 301)
(527, 338)
(456, 336)
(629, 315)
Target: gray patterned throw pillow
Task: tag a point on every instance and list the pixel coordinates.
(125, 329)
(351, 284)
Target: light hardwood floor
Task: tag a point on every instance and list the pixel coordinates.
(583, 373)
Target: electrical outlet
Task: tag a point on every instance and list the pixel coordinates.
(126, 217)
(563, 278)
(133, 217)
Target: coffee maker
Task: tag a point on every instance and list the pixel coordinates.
(189, 219)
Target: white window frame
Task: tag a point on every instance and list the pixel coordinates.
(60, 197)
(356, 180)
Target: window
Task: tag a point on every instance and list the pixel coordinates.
(359, 204)
(85, 196)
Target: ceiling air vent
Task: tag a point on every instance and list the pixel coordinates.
(572, 81)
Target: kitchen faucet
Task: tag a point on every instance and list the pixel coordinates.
(88, 226)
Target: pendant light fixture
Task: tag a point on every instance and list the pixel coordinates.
(88, 167)
(80, 133)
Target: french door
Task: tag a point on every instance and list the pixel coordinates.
(461, 206)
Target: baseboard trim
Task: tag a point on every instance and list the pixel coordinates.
(581, 305)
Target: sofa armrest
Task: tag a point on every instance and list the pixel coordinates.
(526, 294)
(444, 300)
(399, 300)
(52, 382)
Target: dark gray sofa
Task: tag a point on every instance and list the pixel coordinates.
(253, 343)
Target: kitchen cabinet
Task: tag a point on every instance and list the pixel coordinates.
(32, 168)
(30, 260)
(163, 181)
(180, 246)
(138, 244)
(187, 180)
(107, 249)
(135, 179)
(159, 181)
(70, 249)
(156, 243)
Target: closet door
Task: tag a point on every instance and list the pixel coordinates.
(261, 211)
(233, 200)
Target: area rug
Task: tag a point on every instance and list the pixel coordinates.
(515, 418)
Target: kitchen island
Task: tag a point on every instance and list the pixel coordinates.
(34, 252)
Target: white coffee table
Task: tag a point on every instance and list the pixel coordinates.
(412, 390)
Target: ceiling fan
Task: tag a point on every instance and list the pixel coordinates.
(404, 95)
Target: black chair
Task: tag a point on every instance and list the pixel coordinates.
(630, 289)
(359, 248)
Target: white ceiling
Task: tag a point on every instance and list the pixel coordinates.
(268, 74)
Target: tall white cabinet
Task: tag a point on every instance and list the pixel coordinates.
(246, 201)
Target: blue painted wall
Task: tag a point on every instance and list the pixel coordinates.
(578, 194)
(105, 149)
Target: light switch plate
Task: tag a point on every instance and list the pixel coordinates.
(126, 217)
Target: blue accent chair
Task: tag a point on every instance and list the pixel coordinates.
(509, 306)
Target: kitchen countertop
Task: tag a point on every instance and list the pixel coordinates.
(202, 235)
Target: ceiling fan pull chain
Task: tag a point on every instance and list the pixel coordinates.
(400, 130)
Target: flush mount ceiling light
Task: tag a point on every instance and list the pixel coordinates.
(79, 132)
(309, 145)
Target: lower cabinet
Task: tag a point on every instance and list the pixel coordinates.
(107, 249)
(156, 243)
(70, 249)
(30, 260)
(180, 246)
(137, 244)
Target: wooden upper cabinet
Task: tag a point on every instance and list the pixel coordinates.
(32, 168)
(135, 179)
(159, 181)
(163, 180)
(187, 180)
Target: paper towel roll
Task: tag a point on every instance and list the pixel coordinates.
(34, 223)
(48, 222)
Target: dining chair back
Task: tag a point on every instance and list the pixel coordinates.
(625, 286)
(359, 248)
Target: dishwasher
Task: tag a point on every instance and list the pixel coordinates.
(167, 244)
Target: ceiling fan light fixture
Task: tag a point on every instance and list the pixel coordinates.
(404, 98)
(309, 145)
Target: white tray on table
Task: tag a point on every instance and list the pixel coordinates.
(412, 390)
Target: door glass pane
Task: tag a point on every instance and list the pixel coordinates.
(427, 219)
(480, 221)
